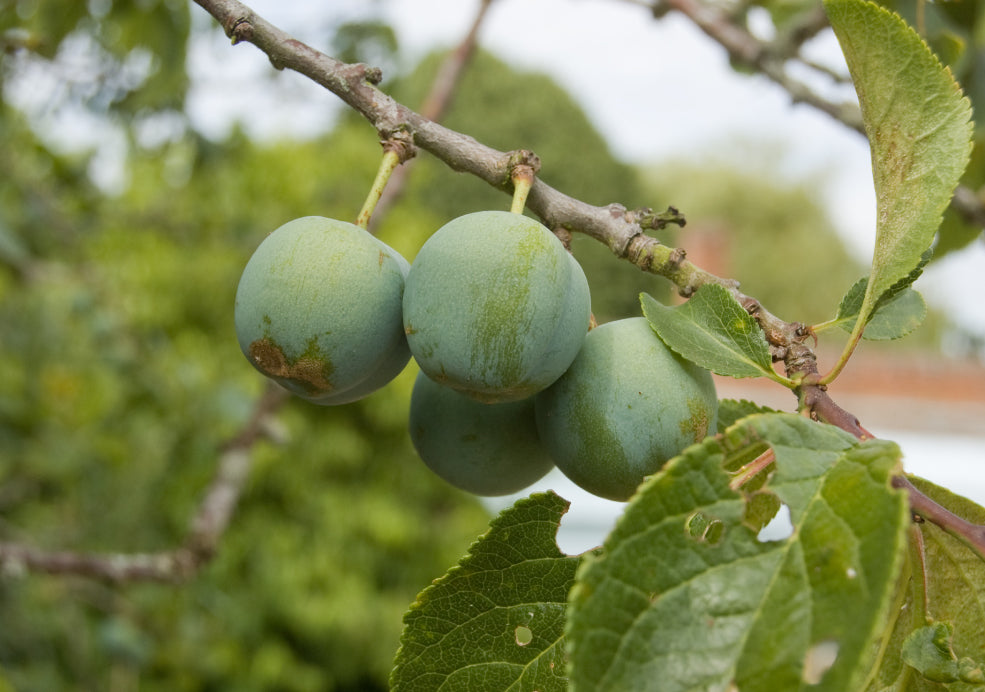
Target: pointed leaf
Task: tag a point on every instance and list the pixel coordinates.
(897, 312)
(685, 597)
(919, 129)
(712, 330)
(892, 319)
(496, 620)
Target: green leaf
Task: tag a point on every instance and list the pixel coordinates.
(897, 312)
(955, 594)
(893, 319)
(667, 607)
(712, 330)
(928, 650)
(496, 620)
(919, 129)
(731, 410)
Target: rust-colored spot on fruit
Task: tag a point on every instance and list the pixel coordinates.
(696, 425)
(308, 372)
(268, 358)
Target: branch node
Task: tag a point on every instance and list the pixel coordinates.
(401, 142)
(521, 163)
(240, 30)
(651, 220)
(373, 75)
(751, 305)
(639, 251)
(618, 211)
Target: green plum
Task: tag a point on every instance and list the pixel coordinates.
(485, 449)
(495, 307)
(625, 406)
(318, 310)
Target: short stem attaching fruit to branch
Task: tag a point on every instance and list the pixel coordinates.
(395, 152)
(523, 169)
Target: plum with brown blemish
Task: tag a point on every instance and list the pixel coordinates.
(318, 310)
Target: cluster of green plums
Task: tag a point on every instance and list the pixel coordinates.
(496, 313)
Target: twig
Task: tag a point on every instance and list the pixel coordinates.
(435, 105)
(222, 496)
(207, 526)
(973, 535)
(769, 59)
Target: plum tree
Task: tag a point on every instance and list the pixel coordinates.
(318, 310)
(625, 406)
(486, 449)
(685, 593)
(495, 307)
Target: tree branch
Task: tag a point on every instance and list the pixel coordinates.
(973, 535)
(207, 526)
(435, 105)
(770, 59)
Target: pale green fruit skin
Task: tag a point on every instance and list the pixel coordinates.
(485, 449)
(625, 406)
(495, 307)
(318, 310)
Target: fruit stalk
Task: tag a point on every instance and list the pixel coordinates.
(390, 161)
(523, 168)
(523, 179)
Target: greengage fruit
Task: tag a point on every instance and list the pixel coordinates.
(625, 406)
(495, 307)
(318, 310)
(485, 449)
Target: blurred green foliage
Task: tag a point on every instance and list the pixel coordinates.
(133, 53)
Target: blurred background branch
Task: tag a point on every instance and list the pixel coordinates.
(729, 27)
